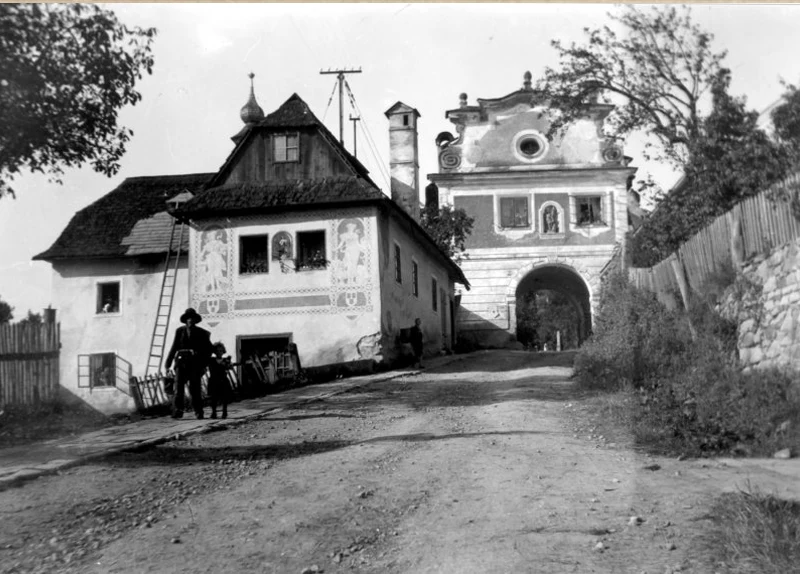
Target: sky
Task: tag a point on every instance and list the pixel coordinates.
(424, 55)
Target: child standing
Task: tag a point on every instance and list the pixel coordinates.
(218, 388)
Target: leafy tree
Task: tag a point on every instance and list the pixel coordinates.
(656, 67)
(6, 312)
(65, 72)
(541, 314)
(449, 227)
(730, 159)
(32, 318)
(786, 118)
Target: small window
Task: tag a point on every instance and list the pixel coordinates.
(398, 266)
(434, 294)
(108, 297)
(405, 119)
(97, 370)
(286, 147)
(514, 212)
(311, 250)
(415, 278)
(253, 254)
(590, 211)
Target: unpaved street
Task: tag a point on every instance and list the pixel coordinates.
(490, 464)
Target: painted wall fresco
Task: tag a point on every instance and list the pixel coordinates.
(344, 286)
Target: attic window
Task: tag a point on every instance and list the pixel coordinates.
(286, 147)
(108, 298)
(530, 146)
(405, 119)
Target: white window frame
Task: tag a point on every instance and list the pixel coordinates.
(92, 388)
(286, 147)
(97, 284)
(606, 205)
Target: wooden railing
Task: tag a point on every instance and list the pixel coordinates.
(258, 374)
(29, 363)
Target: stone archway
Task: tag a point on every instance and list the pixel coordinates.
(563, 276)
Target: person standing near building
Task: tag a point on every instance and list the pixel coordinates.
(191, 350)
(415, 337)
(219, 390)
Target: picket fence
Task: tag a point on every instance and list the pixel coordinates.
(758, 224)
(29, 363)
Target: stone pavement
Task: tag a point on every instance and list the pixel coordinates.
(22, 463)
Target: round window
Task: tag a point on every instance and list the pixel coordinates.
(529, 146)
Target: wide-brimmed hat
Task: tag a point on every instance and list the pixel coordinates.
(191, 313)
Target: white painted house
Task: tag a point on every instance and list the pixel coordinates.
(289, 242)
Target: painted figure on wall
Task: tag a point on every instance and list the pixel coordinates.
(550, 224)
(213, 259)
(282, 251)
(350, 250)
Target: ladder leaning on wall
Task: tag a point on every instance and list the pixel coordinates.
(158, 341)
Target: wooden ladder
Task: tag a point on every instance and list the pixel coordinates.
(158, 341)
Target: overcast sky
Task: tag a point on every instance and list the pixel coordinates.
(422, 54)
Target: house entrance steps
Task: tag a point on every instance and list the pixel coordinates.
(158, 341)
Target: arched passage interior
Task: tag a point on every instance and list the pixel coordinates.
(565, 281)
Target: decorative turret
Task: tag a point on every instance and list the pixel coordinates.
(526, 84)
(251, 112)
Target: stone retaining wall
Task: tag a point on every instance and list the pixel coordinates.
(765, 302)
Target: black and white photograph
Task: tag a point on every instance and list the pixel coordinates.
(457, 288)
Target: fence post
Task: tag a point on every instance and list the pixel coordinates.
(680, 276)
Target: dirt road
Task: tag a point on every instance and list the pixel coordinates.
(491, 464)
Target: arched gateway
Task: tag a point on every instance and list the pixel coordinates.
(548, 211)
(553, 276)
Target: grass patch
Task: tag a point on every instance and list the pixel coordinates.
(754, 533)
(20, 425)
(687, 393)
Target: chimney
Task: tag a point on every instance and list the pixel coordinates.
(404, 157)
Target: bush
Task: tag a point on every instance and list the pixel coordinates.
(690, 395)
(635, 336)
(754, 532)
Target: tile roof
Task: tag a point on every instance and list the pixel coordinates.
(130, 220)
(280, 195)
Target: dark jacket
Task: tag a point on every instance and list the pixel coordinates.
(198, 341)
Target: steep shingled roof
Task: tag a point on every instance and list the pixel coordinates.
(279, 195)
(130, 220)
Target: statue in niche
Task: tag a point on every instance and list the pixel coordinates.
(282, 246)
(550, 224)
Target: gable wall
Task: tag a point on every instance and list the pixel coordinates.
(255, 161)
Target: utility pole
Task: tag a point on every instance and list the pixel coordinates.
(355, 147)
(340, 78)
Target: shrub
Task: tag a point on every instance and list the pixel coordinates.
(688, 395)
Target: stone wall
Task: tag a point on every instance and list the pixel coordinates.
(764, 301)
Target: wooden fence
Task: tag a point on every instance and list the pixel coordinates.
(758, 224)
(257, 375)
(29, 363)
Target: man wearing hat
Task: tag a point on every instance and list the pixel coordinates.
(191, 351)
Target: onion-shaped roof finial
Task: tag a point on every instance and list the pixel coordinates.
(526, 84)
(251, 113)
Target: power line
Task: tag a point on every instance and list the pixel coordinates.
(340, 79)
(368, 137)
